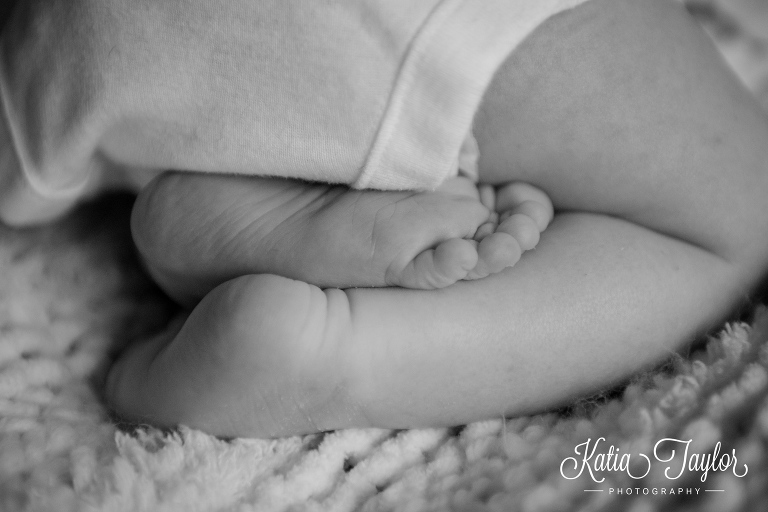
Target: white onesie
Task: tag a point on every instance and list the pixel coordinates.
(370, 93)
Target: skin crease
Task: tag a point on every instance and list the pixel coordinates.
(656, 160)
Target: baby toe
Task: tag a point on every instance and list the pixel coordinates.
(497, 252)
(454, 258)
(522, 228)
(513, 196)
(483, 231)
(442, 266)
(540, 213)
(487, 196)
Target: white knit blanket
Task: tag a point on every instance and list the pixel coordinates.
(73, 293)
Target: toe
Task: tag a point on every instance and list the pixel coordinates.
(512, 197)
(495, 253)
(483, 231)
(449, 262)
(523, 229)
(487, 196)
(452, 260)
(540, 213)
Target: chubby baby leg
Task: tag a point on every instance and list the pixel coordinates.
(660, 184)
(267, 356)
(596, 110)
(197, 231)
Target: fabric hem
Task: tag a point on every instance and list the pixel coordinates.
(35, 183)
(441, 82)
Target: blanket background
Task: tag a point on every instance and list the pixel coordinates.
(73, 293)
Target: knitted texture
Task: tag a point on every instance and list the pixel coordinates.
(73, 294)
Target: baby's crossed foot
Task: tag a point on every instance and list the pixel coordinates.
(330, 236)
(521, 212)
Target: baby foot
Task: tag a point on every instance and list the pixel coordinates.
(523, 212)
(197, 231)
(489, 250)
(259, 356)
